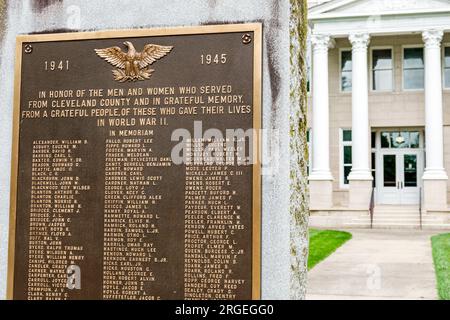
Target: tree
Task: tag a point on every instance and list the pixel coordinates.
(299, 206)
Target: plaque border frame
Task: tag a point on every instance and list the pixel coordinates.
(256, 28)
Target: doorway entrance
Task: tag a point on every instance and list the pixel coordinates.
(399, 166)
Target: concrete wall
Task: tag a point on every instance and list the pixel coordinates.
(398, 108)
(29, 16)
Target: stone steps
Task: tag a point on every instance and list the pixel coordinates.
(398, 225)
(396, 211)
(405, 217)
(385, 217)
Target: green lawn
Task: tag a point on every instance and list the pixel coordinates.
(322, 243)
(441, 256)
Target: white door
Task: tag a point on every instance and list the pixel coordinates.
(401, 172)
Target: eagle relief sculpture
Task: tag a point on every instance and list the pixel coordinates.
(133, 65)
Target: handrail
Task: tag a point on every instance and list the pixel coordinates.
(420, 208)
(372, 207)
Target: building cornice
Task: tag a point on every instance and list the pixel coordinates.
(382, 25)
(329, 18)
(333, 9)
(325, 16)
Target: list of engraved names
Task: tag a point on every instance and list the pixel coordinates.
(134, 189)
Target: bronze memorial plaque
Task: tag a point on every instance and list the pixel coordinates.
(131, 177)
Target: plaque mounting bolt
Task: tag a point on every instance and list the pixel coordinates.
(246, 38)
(28, 49)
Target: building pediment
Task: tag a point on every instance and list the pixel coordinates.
(339, 18)
(354, 8)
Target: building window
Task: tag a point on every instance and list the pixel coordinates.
(346, 71)
(447, 67)
(346, 158)
(413, 69)
(374, 158)
(382, 70)
(400, 140)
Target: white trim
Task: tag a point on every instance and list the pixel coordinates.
(321, 8)
(371, 49)
(378, 23)
(340, 70)
(321, 11)
(342, 144)
(411, 46)
(323, 16)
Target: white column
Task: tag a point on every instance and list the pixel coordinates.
(321, 179)
(433, 106)
(320, 104)
(360, 109)
(361, 176)
(435, 177)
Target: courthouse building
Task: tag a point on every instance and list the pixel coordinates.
(379, 112)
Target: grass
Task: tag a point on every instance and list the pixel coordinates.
(441, 256)
(322, 243)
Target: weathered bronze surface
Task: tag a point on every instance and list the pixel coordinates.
(98, 208)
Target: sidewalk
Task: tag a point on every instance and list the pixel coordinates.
(377, 264)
